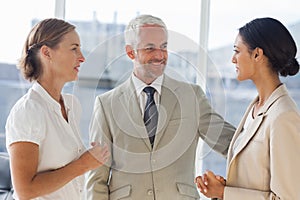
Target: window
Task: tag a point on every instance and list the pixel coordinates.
(16, 21)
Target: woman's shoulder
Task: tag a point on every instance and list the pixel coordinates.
(285, 104)
(27, 103)
(283, 110)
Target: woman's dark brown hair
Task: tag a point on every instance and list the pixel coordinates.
(276, 41)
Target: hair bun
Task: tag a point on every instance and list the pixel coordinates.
(291, 68)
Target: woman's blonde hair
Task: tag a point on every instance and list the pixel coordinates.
(47, 32)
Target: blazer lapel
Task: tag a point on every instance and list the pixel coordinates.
(133, 123)
(166, 107)
(250, 132)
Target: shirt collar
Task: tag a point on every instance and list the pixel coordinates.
(140, 85)
(45, 95)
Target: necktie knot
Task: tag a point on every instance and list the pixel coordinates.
(149, 90)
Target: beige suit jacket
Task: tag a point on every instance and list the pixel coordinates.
(137, 171)
(267, 164)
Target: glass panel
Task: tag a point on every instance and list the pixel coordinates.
(16, 22)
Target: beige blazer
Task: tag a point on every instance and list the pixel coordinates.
(165, 172)
(267, 163)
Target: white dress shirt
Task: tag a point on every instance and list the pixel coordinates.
(142, 96)
(37, 118)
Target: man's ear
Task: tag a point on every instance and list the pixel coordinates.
(45, 52)
(130, 52)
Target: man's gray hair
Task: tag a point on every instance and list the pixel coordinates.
(132, 29)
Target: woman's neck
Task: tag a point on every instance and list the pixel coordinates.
(53, 88)
(265, 88)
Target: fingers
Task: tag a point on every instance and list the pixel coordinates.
(100, 153)
(221, 179)
(205, 179)
(201, 184)
(210, 174)
(210, 185)
(105, 154)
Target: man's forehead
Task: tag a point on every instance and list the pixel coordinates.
(152, 34)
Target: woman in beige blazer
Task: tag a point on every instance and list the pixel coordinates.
(263, 157)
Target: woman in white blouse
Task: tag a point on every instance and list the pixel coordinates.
(263, 157)
(47, 156)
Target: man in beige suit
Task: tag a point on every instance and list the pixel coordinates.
(156, 161)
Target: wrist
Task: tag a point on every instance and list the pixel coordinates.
(80, 166)
(221, 195)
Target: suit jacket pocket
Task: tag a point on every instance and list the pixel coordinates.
(187, 190)
(121, 192)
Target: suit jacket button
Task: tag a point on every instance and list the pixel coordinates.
(150, 192)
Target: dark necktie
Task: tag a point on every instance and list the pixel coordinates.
(151, 114)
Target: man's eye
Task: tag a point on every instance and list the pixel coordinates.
(149, 48)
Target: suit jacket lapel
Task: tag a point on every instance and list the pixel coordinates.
(132, 124)
(239, 130)
(250, 132)
(253, 127)
(166, 107)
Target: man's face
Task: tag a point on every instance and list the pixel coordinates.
(151, 53)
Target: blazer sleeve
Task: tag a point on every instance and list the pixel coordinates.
(284, 156)
(97, 179)
(231, 193)
(212, 128)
